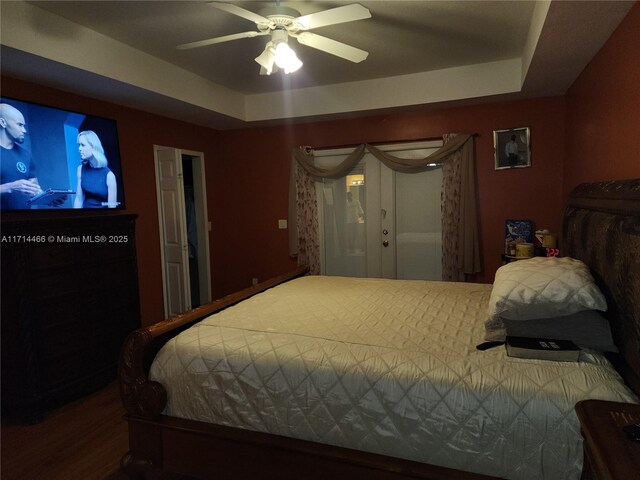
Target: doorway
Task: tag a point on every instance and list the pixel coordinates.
(184, 229)
(375, 222)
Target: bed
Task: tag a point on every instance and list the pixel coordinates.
(369, 378)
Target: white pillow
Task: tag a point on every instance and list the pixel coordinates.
(541, 287)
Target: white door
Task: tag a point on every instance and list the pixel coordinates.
(394, 231)
(418, 225)
(171, 211)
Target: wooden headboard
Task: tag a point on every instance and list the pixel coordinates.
(601, 227)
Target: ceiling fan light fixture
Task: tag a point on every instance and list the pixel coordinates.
(286, 58)
(267, 58)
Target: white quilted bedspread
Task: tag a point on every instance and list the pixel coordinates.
(386, 366)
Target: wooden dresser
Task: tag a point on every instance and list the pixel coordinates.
(69, 298)
(608, 453)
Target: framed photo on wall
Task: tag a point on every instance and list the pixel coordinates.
(511, 148)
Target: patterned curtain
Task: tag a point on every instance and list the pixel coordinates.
(307, 220)
(450, 205)
(460, 254)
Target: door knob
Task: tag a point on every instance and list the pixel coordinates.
(385, 232)
(385, 243)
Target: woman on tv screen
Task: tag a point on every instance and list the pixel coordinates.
(97, 187)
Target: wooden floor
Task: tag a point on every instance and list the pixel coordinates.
(80, 441)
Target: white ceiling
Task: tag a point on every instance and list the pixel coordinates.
(420, 52)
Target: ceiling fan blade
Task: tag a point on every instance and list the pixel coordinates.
(333, 16)
(333, 47)
(241, 12)
(226, 38)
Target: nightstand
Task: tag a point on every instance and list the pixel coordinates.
(608, 454)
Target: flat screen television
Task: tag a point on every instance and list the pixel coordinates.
(54, 159)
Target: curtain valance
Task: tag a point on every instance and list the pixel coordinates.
(405, 165)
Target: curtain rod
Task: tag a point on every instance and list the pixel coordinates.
(387, 142)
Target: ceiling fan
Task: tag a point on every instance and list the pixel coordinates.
(283, 22)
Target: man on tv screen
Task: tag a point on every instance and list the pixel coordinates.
(17, 173)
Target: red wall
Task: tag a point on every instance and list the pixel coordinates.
(257, 163)
(138, 132)
(603, 111)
